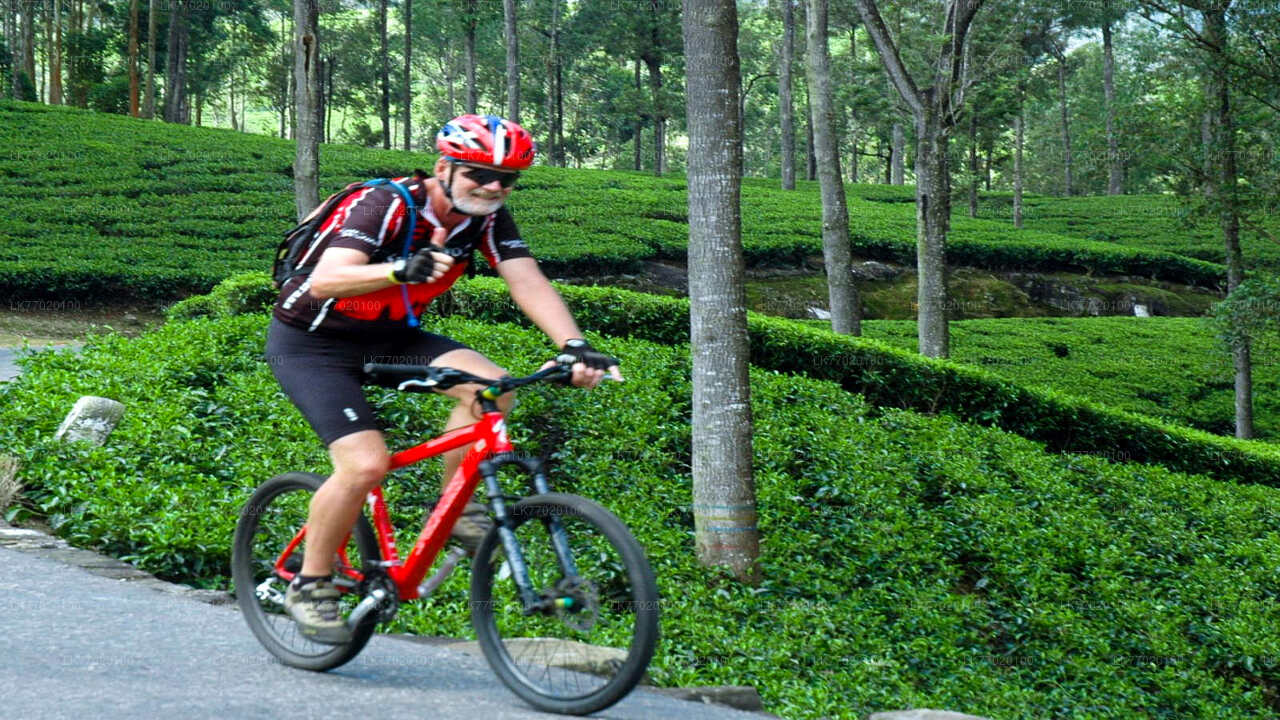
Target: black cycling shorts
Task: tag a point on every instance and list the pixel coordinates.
(323, 374)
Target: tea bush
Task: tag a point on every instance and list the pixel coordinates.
(907, 561)
(97, 206)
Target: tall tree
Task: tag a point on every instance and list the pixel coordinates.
(846, 315)
(469, 25)
(133, 58)
(306, 82)
(1058, 49)
(509, 21)
(724, 500)
(407, 101)
(786, 109)
(934, 108)
(1222, 186)
(55, 56)
(1115, 169)
(175, 75)
(384, 77)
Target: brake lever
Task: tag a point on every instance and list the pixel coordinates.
(404, 386)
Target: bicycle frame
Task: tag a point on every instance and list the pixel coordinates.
(488, 437)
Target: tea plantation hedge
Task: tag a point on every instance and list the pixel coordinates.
(1149, 222)
(98, 207)
(885, 375)
(908, 561)
(889, 377)
(1170, 368)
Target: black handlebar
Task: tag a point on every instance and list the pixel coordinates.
(432, 378)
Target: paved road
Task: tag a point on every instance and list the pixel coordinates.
(10, 370)
(81, 646)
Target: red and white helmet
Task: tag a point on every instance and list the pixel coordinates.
(486, 139)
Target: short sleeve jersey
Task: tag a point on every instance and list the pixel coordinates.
(374, 221)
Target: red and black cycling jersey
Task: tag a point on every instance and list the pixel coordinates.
(374, 221)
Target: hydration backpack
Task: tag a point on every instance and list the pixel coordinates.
(300, 237)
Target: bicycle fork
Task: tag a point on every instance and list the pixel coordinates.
(531, 600)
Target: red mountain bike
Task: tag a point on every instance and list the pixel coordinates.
(563, 600)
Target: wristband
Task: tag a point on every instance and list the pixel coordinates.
(396, 266)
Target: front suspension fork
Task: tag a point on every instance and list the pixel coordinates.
(531, 599)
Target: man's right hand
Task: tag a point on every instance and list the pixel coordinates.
(426, 265)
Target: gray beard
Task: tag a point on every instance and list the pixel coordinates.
(476, 206)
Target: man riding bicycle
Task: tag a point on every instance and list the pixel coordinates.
(355, 305)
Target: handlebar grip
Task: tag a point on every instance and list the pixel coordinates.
(395, 369)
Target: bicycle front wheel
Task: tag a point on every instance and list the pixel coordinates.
(594, 633)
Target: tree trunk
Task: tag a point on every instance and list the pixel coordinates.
(471, 55)
(384, 77)
(513, 59)
(724, 501)
(449, 79)
(1222, 186)
(328, 99)
(133, 58)
(1115, 172)
(933, 220)
(557, 118)
(639, 159)
(1066, 124)
(654, 64)
(408, 78)
(843, 294)
(988, 150)
(28, 55)
(785, 103)
(199, 109)
(899, 155)
(306, 163)
(176, 66)
(55, 63)
(811, 163)
(1017, 168)
(973, 164)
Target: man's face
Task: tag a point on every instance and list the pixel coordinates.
(469, 195)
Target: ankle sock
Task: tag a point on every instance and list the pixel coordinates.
(299, 580)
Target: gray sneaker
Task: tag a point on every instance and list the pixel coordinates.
(473, 524)
(314, 607)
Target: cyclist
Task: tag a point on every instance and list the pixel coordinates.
(352, 307)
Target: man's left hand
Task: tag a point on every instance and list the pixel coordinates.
(589, 365)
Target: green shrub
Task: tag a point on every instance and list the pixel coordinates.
(137, 210)
(890, 377)
(237, 295)
(907, 561)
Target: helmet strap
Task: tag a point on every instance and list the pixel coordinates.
(448, 193)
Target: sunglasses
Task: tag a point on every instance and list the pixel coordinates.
(484, 176)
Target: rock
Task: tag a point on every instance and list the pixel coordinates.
(91, 420)
(567, 654)
(819, 313)
(923, 714)
(131, 318)
(872, 270)
(742, 697)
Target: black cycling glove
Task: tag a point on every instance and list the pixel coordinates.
(580, 351)
(417, 269)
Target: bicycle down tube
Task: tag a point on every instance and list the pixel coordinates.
(489, 437)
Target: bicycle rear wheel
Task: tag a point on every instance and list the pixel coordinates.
(268, 523)
(589, 649)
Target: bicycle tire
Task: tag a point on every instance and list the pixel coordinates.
(625, 581)
(251, 563)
